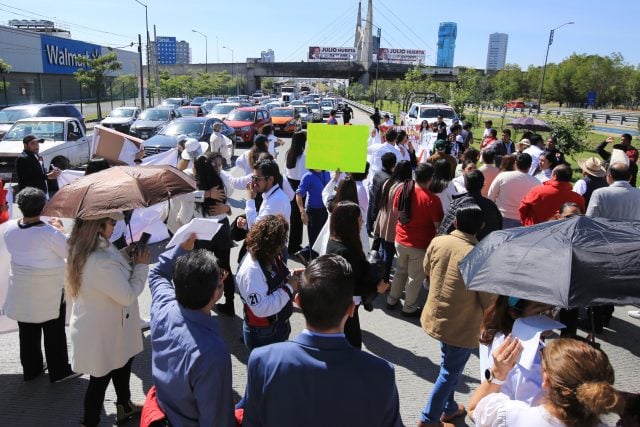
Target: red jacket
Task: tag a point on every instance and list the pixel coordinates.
(544, 201)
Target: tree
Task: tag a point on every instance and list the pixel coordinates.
(4, 67)
(266, 84)
(509, 82)
(127, 84)
(570, 131)
(94, 74)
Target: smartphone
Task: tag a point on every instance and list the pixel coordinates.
(141, 244)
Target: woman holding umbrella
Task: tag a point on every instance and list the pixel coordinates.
(105, 324)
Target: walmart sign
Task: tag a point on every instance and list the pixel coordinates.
(61, 56)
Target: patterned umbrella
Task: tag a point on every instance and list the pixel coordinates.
(530, 123)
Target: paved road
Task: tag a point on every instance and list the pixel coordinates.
(385, 333)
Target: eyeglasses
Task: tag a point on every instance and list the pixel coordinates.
(257, 178)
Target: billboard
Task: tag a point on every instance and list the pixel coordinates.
(60, 56)
(401, 56)
(323, 53)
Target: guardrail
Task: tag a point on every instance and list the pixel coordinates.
(362, 107)
(631, 120)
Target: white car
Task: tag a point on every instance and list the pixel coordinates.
(316, 112)
(429, 112)
(65, 143)
(121, 118)
(222, 110)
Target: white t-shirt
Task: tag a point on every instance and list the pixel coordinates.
(378, 151)
(297, 172)
(508, 189)
(534, 151)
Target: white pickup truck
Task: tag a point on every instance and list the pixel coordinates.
(65, 144)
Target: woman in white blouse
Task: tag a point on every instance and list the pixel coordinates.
(577, 383)
(35, 297)
(295, 169)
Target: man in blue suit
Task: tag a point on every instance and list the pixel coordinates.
(319, 379)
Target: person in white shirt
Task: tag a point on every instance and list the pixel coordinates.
(220, 144)
(577, 383)
(374, 140)
(265, 180)
(246, 161)
(389, 146)
(388, 121)
(265, 284)
(535, 150)
(458, 182)
(508, 189)
(295, 170)
(273, 142)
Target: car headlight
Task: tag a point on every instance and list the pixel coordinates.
(292, 122)
(245, 128)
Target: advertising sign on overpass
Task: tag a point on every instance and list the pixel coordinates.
(401, 56)
(323, 53)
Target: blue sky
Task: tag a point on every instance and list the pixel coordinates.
(290, 26)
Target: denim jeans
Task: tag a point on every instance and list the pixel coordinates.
(441, 400)
(388, 252)
(259, 336)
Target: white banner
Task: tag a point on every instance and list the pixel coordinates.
(401, 56)
(324, 53)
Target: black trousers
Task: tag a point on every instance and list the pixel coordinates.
(295, 222)
(220, 245)
(55, 347)
(352, 331)
(317, 218)
(94, 397)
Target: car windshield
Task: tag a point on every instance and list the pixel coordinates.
(12, 116)
(187, 127)
(155, 115)
(432, 113)
(233, 99)
(242, 116)
(284, 112)
(199, 99)
(326, 104)
(313, 106)
(302, 110)
(223, 108)
(41, 129)
(188, 111)
(171, 101)
(121, 112)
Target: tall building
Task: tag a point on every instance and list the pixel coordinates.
(170, 51)
(183, 52)
(267, 56)
(497, 51)
(447, 34)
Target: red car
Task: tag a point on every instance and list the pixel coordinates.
(247, 121)
(515, 104)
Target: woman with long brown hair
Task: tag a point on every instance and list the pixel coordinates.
(295, 170)
(344, 240)
(105, 323)
(577, 382)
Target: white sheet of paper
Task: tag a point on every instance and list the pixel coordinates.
(528, 330)
(204, 228)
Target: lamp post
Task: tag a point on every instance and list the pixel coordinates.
(206, 50)
(233, 72)
(544, 69)
(146, 20)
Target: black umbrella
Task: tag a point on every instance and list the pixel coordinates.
(530, 123)
(575, 262)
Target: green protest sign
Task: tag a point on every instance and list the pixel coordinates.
(337, 147)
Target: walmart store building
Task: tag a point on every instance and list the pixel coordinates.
(42, 66)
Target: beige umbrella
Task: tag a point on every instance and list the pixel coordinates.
(118, 189)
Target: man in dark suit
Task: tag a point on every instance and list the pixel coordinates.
(28, 167)
(319, 379)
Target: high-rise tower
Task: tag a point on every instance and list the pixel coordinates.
(447, 34)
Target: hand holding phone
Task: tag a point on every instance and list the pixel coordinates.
(141, 244)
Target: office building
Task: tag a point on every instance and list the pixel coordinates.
(497, 51)
(165, 50)
(183, 52)
(446, 44)
(267, 56)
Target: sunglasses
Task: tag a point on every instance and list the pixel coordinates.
(258, 178)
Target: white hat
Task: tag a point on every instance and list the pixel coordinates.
(181, 138)
(618, 156)
(193, 148)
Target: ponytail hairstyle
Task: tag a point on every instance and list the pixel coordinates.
(580, 382)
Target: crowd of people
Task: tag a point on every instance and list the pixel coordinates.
(420, 206)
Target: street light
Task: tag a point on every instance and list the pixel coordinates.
(146, 19)
(233, 72)
(206, 50)
(544, 69)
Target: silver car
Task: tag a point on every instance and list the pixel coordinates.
(316, 112)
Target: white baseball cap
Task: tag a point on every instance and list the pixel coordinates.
(193, 148)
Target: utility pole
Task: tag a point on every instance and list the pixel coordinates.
(141, 72)
(155, 63)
